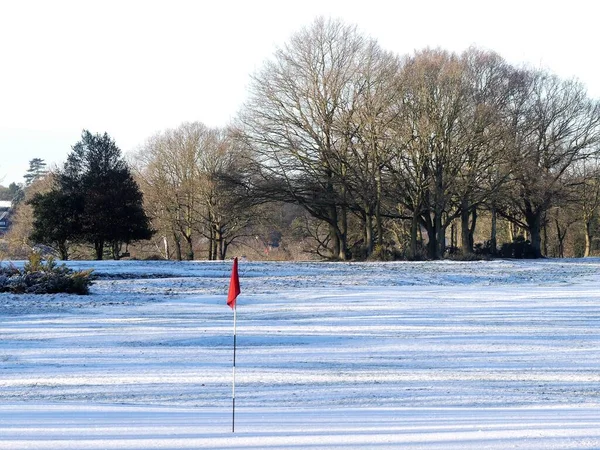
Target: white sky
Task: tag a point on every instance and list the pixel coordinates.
(133, 68)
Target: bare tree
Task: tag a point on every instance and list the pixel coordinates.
(553, 126)
(168, 171)
(229, 209)
(17, 237)
(296, 122)
(586, 197)
(186, 175)
(430, 150)
(484, 168)
(369, 142)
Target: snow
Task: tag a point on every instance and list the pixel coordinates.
(429, 355)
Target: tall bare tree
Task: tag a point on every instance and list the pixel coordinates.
(553, 126)
(484, 168)
(586, 198)
(187, 176)
(228, 206)
(431, 149)
(296, 121)
(369, 143)
(169, 175)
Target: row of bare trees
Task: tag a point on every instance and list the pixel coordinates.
(369, 143)
(354, 133)
(188, 178)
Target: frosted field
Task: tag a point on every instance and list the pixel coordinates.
(436, 355)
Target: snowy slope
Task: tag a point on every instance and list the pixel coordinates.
(377, 355)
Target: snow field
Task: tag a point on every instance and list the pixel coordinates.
(398, 355)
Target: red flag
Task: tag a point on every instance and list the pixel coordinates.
(234, 285)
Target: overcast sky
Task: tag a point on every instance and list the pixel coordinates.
(133, 68)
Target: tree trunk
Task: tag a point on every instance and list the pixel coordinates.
(220, 247)
(472, 227)
(211, 241)
(534, 223)
(588, 239)
(511, 234)
(454, 234)
(560, 234)
(99, 249)
(378, 220)
(414, 228)
(439, 236)
(188, 234)
(190, 248)
(438, 201)
(116, 250)
(63, 251)
(432, 243)
(343, 235)
(465, 229)
(432, 246)
(166, 243)
(214, 243)
(225, 246)
(442, 241)
(545, 240)
(177, 241)
(493, 234)
(369, 235)
(334, 232)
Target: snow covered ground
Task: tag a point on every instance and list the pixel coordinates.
(432, 355)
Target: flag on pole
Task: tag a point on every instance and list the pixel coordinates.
(234, 285)
(234, 291)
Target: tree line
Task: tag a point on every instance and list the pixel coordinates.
(376, 155)
(352, 132)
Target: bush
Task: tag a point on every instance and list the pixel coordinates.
(44, 277)
(154, 257)
(520, 248)
(467, 257)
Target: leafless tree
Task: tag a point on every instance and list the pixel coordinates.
(484, 167)
(296, 121)
(169, 178)
(185, 174)
(586, 197)
(430, 149)
(553, 125)
(19, 244)
(369, 147)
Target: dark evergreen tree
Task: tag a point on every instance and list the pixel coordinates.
(56, 219)
(106, 200)
(37, 169)
(16, 193)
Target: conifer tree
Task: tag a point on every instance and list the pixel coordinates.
(37, 169)
(105, 203)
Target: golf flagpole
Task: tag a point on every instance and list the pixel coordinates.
(234, 291)
(233, 375)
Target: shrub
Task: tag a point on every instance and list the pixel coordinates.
(154, 257)
(44, 277)
(520, 248)
(467, 257)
